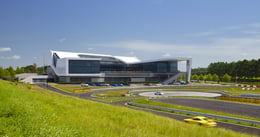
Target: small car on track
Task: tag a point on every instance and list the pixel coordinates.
(201, 120)
(84, 85)
(158, 93)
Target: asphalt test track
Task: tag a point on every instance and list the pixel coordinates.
(222, 106)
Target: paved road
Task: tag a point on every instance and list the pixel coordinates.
(222, 106)
(180, 94)
(235, 127)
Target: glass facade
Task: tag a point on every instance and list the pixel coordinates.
(173, 67)
(155, 67)
(111, 64)
(161, 67)
(84, 66)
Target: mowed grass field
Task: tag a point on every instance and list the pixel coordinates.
(31, 111)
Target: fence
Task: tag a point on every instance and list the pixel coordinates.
(253, 122)
(242, 99)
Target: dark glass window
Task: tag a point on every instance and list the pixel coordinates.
(83, 66)
(80, 79)
(161, 67)
(173, 67)
(54, 59)
(155, 67)
(112, 66)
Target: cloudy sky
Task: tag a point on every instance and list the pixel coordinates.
(205, 30)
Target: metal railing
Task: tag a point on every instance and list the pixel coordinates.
(254, 122)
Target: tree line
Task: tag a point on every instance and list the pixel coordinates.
(10, 72)
(245, 70)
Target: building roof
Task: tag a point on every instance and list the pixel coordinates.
(167, 59)
(62, 54)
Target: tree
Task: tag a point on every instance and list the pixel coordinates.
(41, 69)
(19, 70)
(182, 78)
(209, 77)
(242, 70)
(195, 77)
(201, 77)
(6, 74)
(199, 71)
(215, 77)
(11, 72)
(226, 78)
(1, 72)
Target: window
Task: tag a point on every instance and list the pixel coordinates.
(173, 67)
(196, 119)
(161, 67)
(83, 66)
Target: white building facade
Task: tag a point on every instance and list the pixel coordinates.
(88, 67)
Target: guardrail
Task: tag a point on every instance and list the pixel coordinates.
(250, 95)
(255, 99)
(254, 122)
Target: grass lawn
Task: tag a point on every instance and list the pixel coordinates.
(31, 111)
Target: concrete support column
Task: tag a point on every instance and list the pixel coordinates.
(188, 70)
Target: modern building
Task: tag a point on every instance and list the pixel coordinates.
(86, 67)
(33, 78)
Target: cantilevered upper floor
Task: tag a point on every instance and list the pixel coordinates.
(72, 64)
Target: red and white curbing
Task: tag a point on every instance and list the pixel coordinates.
(248, 87)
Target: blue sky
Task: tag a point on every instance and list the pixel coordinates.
(205, 30)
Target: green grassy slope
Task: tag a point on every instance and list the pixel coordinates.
(36, 112)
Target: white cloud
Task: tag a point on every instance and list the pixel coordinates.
(166, 55)
(254, 25)
(131, 53)
(243, 26)
(141, 46)
(201, 34)
(251, 32)
(5, 49)
(62, 40)
(217, 49)
(14, 57)
(250, 28)
(243, 54)
(234, 27)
